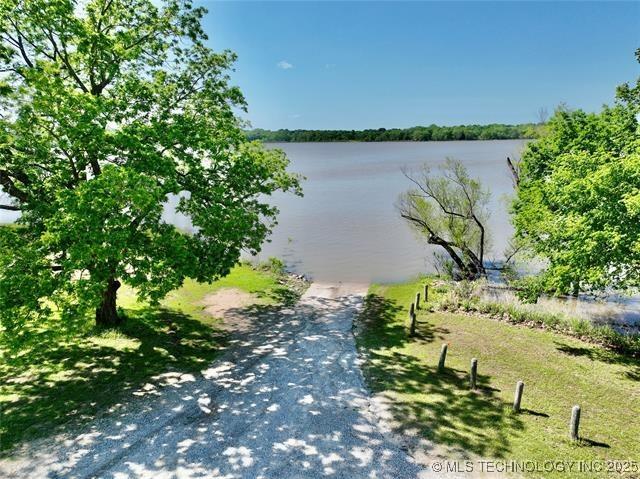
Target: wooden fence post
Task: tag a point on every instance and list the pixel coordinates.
(575, 423)
(417, 300)
(412, 328)
(426, 293)
(474, 373)
(411, 315)
(518, 397)
(443, 357)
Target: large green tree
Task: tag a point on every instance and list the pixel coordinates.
(578, 201)
(107, 108)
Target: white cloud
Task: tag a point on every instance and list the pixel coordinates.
(284, 64)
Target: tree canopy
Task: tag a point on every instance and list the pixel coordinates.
(107, 108)
(578, 201)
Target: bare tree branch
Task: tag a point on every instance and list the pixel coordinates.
(9, 208)
(515, 172)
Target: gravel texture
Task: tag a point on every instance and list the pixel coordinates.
(286, 400)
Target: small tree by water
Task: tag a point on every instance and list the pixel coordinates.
(449, 209)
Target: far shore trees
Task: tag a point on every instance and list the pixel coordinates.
(416, 133)
(450, 211)
(108, 107)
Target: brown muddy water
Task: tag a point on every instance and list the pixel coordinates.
(346, 227)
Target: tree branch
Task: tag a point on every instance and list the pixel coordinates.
(472, 214)
(428, 191)
(9, 186)
(9, 208)
(20, 45)
(514, 172)
(65, 59)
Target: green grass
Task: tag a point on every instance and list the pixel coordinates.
(261, 282)
(463, 297)
(66, 375)
(558, 372)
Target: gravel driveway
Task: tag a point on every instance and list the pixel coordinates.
(286, 400)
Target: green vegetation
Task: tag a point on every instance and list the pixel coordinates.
(578, 202)
(558, 372)
(60, 372)
(450, 211)
(463, 298)
(107, 109)
(416, 133)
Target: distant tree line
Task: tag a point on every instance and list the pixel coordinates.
(417, 133)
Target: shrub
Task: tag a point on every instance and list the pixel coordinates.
(463, 296)
(274, 265)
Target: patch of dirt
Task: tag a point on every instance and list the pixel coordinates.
(227, 304)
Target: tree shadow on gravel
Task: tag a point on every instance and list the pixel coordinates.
(285, 399)
(68, 381)
(442, 407)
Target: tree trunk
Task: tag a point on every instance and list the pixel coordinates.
(576, 289)
(106, 313)
(474, 266)
(434, 239)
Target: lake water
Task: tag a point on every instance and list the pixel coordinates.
(346, 228)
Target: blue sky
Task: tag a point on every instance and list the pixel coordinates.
(361, 65)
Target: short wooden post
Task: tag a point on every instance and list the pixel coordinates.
(474, 373)
(518, 397)
(411, 315)
(575, 423)
(443, 357)
(426, 293)
(417, 300)
(412, 328)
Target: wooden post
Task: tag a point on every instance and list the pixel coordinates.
(412, 328)
(474, 373)
(411, 315)
(518, 397)
(575, 423)
(426, 293)
(443, 357)
(417, 300)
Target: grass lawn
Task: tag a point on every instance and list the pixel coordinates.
(558, 373)
(68, 374)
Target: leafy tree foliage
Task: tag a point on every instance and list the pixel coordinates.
(108, 107)
(417, 133)
(450, 211)
(630, 94)
(578, 202)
